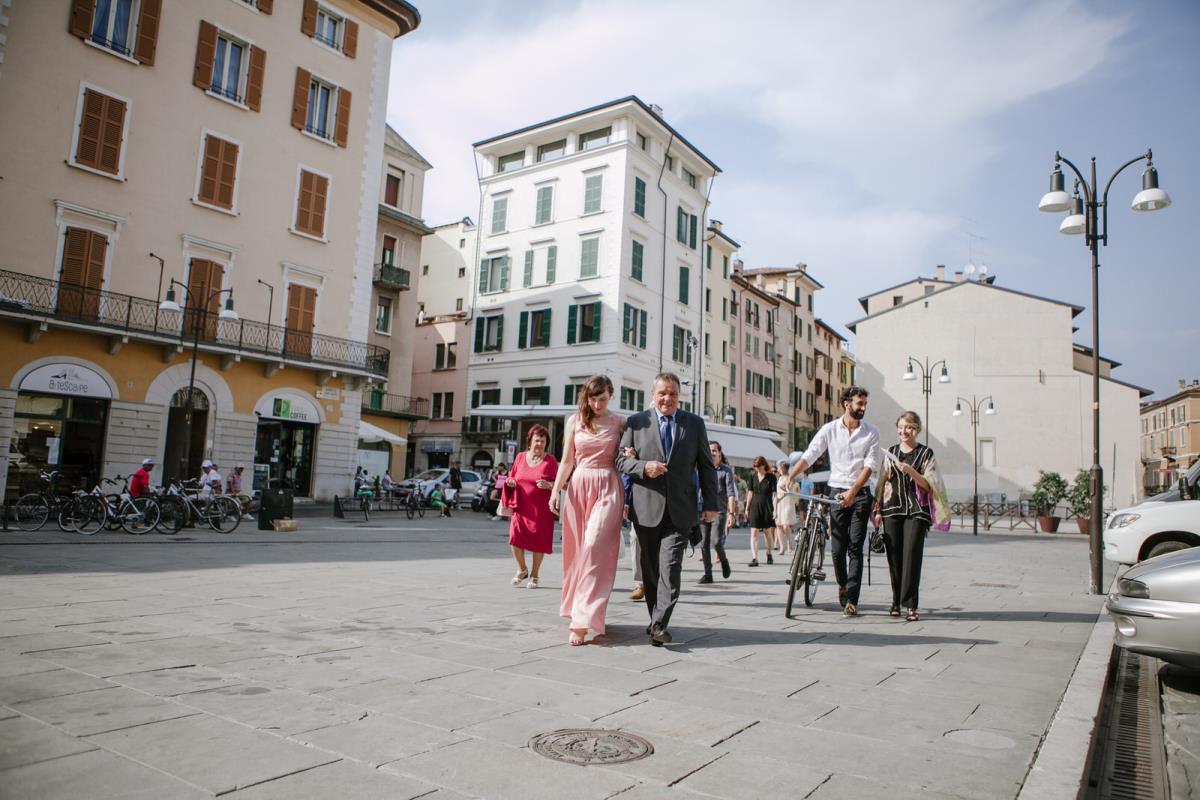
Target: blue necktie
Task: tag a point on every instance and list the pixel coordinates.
(664, 433)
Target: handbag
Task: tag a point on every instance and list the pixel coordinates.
(877, 543)
(506, 511)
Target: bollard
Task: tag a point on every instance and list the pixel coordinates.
(338, 512)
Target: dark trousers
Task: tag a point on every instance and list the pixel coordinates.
(905, 539)
(713, 539)
(662, 562)
(848, 534)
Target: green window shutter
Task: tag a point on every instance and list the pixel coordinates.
(674, 342)
(639, 253)
(708, 256)
(545, 198)
(479, 334)
(572, 320)
(522, 329)
(474, 398)
(626, 326)
(591, 193)
(551, 262)
(504, 273)
(517, 396)
(642, 336)
(483, 276)
(680, 224)
(589, 258)
(569, 394)
(639, 197)
(528, 268)
(692, 231)
(545, 393)
(683, 284)
(596, 321)
(499, 332)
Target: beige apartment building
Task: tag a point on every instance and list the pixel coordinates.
(191, 178)
(717, 401)
(1170, 436)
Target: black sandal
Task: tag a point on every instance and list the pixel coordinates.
(895, 610)
(913, 616)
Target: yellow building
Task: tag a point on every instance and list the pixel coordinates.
(191, 178)
(1170, 436)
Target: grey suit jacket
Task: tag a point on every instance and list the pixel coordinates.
(674, 492)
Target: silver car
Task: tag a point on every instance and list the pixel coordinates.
(440, 476)
(1156, 608)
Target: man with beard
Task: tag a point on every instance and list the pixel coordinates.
(853, 447)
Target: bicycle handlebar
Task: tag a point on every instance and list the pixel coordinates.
(813, 498)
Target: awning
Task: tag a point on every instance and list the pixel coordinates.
(742, 445)
(523, 412)
(373, 433)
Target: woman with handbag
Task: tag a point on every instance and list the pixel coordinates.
(904, 498)
(787, 513)
(496, 481)
(525, 497)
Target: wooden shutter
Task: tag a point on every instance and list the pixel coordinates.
(350, 39)
(112, 134)
(341, 129)
(204, 277)
(227, 174)
(596, 321)
(517, 396)
(522, 330)
(266, 6)
(483, 276)
(254, 79)
(544, 339)
(479, 334)
(101, 131)
(504, 273)
(642, 333)
(82, 273)
(82, 12)
(310, 206)
(206, 49)
(308, 19)
(147, 31)
(219, 172)
(572, 323)
(300, 98)
(319, 195)
(528, 278)
(302, 305)
(551, 262)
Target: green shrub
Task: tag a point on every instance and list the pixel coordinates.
(1050, 490)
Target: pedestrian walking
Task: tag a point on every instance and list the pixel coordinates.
(761, 509)
(591, 512)
(527, 493)
(630, 541)
(496, 486)
(787, 514)
(139, 482)
(713, 533)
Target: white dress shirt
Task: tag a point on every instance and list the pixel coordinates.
(849, 451)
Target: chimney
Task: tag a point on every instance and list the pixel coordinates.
(657, 109)
(715, 224)
(1183, 383)
(800, 265)
(958, 276)
(738, 266)
(760, 280)
(941, 272)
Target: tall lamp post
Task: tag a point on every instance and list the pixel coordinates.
(228, 314)
(927, 371)
(975, 405)
(1085, 218)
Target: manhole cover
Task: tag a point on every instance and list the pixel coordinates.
(583, 746)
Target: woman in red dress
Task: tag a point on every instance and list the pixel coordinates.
(527, 493)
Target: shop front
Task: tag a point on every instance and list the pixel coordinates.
(58, 424)
(286, 440)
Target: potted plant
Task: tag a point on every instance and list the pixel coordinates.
(1050, 490)
(1080, 499)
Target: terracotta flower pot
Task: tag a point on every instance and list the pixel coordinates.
(1048, 524)
(1084, 524)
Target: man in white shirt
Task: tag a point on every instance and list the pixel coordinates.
(853, 447)
(210, 479)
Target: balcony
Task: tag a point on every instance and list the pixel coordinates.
(389, 276)
(40, 301)
(479, 429)
(395, 405)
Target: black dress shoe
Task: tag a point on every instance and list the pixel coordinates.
(769, 559)
(725, 571)
(659, 636)
(753, 563)
(705, 578)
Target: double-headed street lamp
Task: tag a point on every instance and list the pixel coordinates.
(927, 371)
(974, 405)
(1085, 217)
(227, 314)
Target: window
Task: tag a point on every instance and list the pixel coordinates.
(100, 132)
(708, 256)
(383, 316)
(897, 299)
(589, 258)
(725, 266)
(127, 27)
(462, 243)
(329, 28)
(632, 399)
(489, 333)
(321, 109)
(591, 194)
(534, 330)
(689, 178)
(708, 301)
(388, 255)
(499, 214)
(681, 350)
(462, 272)
(642, 142)
(733, 376)
(680, 225)
(392, 186)
(493, 275)
(633, 327)
(229, 67)
(670, 162)
(424, 269)
(545, 202)
(810, 302)
(724, 309)
(549, 152)
(639, 254)
(310, 203)
(706, 345)
(531, 395)
(583, 323)
(510, 162)
(81, 276)
(747, 348)
(684, 274)
(443, 405)
(458, 304)
(445, 355)
(639, 197)
(724, 352)
(594, 139)
(218, 173)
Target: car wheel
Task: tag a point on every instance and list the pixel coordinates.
(1170, 546)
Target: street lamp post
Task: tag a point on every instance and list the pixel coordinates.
(975, 405)
(227, 313)
(927, 370)
(1089, 216)
(270, 303)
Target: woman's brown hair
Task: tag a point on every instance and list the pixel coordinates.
(595, 385)
(912, 418)
(759, 461)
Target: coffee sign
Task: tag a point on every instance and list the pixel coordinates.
(68, 379)
(289, 407)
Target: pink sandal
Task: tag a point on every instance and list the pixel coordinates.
(577, 638)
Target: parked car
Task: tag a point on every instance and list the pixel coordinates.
(1156, 608)
(471, 483)
(1156, 527)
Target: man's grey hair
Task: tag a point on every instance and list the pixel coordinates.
(667, 377)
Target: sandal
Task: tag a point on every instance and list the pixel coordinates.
(533, 583)
(520, 576)
(913, 616)
(895, 610)
(577, 638)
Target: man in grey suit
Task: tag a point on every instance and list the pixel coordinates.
(668, 448)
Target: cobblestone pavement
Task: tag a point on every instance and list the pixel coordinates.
(1181, 729)
(394, 660)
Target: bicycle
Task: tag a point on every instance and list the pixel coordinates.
(365, 494)
(414, 504)
(33, 509)
(808, 559)
(136, 515)
(182, 502)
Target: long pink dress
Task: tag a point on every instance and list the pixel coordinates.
(532, 525)
(591, 522)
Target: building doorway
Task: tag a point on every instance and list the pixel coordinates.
(182, 438)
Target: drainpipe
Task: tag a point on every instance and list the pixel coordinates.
(662, 301)
(701, 246)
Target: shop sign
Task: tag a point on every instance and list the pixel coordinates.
(70, 379)
(329, 393)
(289, 407)
(437, 446)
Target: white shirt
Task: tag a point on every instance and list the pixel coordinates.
(210, 482)
(849, 451)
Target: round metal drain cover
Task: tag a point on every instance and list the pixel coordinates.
(585, 746)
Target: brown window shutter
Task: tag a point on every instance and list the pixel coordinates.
(208, 172)
(266, 6)
(320, 191)
(82, 12)
(342, 128)
(91, 123)
(308, 20)
(228, 175)
(112, 134)
(203, 278)
(304, 202)
(147, 32)
(254, 81)
(206, 48)
(300, 98)
(301, 318)
(82, 272)
(350, 39)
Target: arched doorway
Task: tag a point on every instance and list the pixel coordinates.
(180, 434)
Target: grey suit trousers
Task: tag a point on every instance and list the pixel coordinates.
(662, 563)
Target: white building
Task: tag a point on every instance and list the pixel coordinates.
(1015, 347)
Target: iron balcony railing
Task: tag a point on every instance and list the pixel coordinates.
(122, 313)
(391, 276)
(396, 404)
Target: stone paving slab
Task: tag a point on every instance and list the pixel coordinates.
(27, 741)
(379, 739)
(345, 780)
(95, 775)
(36, 685)
(101, 710)
(281, 711)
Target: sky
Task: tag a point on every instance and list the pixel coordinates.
(870, 140)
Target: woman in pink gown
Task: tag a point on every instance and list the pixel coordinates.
(527, 492)
(591, 515)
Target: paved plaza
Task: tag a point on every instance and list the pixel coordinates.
(394, 660)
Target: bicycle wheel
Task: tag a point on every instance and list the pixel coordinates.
(112, 520)
(224, 514)
(172, 513)
(408, 509)
(365, 505)
(140, 515)
(814, 562)
(794, 573)
(420, 511)
(86, 514)
(30, 512)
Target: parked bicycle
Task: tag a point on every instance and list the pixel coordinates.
(182, 501)
(95, 510)
(808, 560)
(33, 509)
(414, 503)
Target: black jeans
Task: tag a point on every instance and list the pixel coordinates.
(662, 563)
(848, 534)
(712, 541)
(905, 539)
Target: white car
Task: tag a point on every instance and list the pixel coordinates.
(1156, 608)
(1156, 526)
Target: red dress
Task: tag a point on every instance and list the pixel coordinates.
(532, 524)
